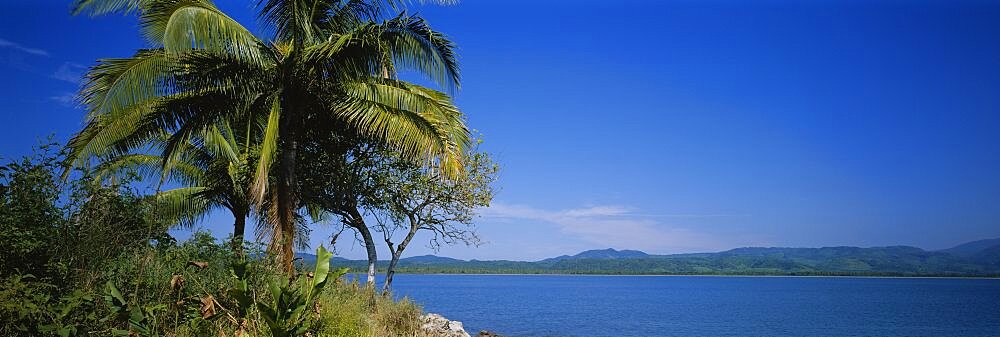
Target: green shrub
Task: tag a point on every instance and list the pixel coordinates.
(28, 307)
(83, 258)
(30, 214)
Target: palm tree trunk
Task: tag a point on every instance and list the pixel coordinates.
(286, 217)
(287, 192)
(239, 227)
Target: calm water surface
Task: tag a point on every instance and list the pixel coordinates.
(550, 305)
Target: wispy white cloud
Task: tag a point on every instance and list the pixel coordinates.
(67, 99)
(619, 227)
(16, 46)
(70, 72)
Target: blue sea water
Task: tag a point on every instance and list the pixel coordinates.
(557, 305)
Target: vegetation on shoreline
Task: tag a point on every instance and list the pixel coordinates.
(830, 261)
(88, 259)
(310, 124)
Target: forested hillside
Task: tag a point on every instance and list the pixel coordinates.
(981, 260)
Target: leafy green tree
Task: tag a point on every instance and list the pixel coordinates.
(29, 211)
(327, 65)
(340, 184)
(213, 170)
(51, 226)
(104, 222)
(411, 198)
(367, 182)
(59, 236)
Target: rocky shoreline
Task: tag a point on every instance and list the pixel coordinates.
(440, 326)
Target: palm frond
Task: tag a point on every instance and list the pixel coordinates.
(417, 121)
(102, 7)
(193, 113)
(184, 25)
(185, 205)
(350, 14)
(414, 45)
(144, 164)
(115, 84)
(398, 5)
(233, 118)
(212, 69)
(267, 151)
(114, 134)
(403, 43)
(219, 144)
(297, 21)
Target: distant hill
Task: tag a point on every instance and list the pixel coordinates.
(979, 258)
(310, 259)
(986, 252)
(972, 248)
(428, 259)
(602, 254)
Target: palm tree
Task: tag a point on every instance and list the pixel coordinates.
(328, 64)
(213, 171)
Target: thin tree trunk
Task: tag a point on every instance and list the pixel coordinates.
(390, 271)
(396, 254)
(358, 223)
(372, 253)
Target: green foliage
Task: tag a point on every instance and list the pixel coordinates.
(53, 226)
(105, 221)
(326, 77)
(328, 73)
(407, 198)
(70, 315)
(317, 305)
(346, 312)
(62, 234)
(29, 306)
(167, 289)
(416, 198)
(30, 212)
(287, 314)
(103, 265)
(141, 319)
(847, 261)
(22, 302)
(213, 169)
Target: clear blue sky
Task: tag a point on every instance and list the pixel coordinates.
(666, 126)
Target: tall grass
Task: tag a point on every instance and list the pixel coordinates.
(343, 308)
(169, 285)
(346, 312)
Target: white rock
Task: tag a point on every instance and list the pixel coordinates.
(437, 324)
(456, 326)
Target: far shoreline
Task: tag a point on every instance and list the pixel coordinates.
(709, 275)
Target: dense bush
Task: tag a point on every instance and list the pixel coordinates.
(92, 258)
(57, 235)
(30, 215)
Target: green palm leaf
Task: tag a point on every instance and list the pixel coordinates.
(229, 116)
(185, 25)
(418, 121)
